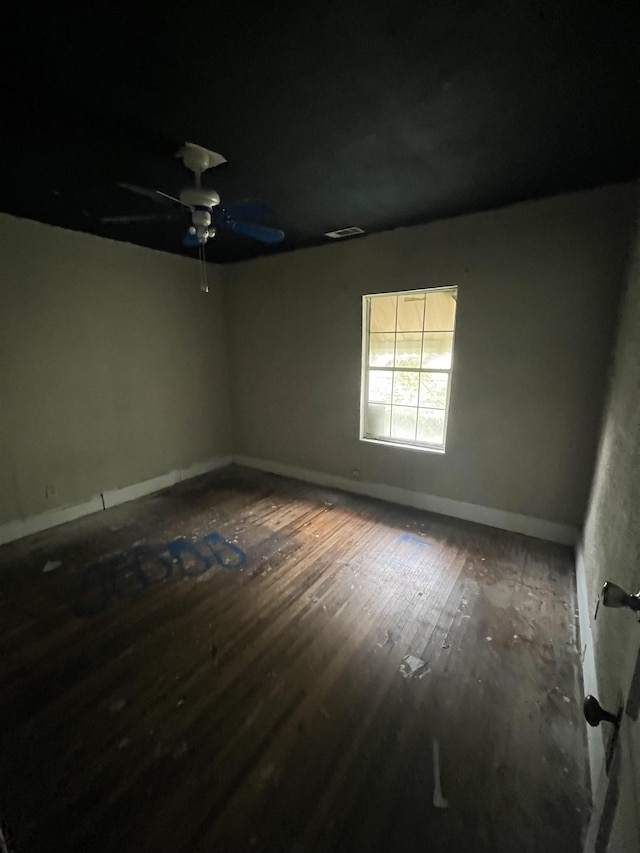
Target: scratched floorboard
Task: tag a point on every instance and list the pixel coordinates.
(259, 705)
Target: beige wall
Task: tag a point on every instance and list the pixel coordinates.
(538, 286)
(112, 373)
(612, 552)
(112, 366)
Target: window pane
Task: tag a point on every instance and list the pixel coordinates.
(405, 388)
(383, 314)
(436, 349)
(441, 312)
(430, 426)
(433, 390)
(380, 382)
(378, 420)
(403, 422)
(411, 312)
(408, 349)
(381, 350)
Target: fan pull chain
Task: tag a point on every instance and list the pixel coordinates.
(204, 286)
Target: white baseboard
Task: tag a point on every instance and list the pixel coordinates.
(21, 527)
(529, 526)
(537, 527)
(113, 497)
(595, 743)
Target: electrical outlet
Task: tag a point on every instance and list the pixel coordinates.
(50, 491)
(355, 473)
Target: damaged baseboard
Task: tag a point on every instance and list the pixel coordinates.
(113, 497)
(537, 527)
(22, 527)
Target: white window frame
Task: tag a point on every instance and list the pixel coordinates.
(364, 380)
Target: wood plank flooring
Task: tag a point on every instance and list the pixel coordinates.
(161, 690)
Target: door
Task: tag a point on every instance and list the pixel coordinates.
(615, 821)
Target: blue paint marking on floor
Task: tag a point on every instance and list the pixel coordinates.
(130, 573)
(235, 556)
(416, 540)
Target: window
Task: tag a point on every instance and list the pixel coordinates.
(407, 349)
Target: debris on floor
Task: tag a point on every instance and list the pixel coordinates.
(390, 639)
(51, 565)
(413, 667)
(438, 800)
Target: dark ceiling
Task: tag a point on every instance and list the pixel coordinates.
(376, 114)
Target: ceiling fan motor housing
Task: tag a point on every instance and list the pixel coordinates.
(199, 197)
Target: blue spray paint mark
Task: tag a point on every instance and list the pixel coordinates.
(197, 565)
(416, 540)
(153, 566)
(227, 554)
(130, 573)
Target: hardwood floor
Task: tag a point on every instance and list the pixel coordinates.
(162, 691)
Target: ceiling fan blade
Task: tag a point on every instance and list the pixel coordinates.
(141, 217)
(154, 195)
(249, 208)
(258, 232)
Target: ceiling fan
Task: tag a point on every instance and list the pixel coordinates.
(207, 215)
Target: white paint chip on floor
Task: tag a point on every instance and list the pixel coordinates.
(413, 667)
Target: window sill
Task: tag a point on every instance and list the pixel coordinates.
(439, 451)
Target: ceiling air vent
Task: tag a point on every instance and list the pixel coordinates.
(344, 232)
